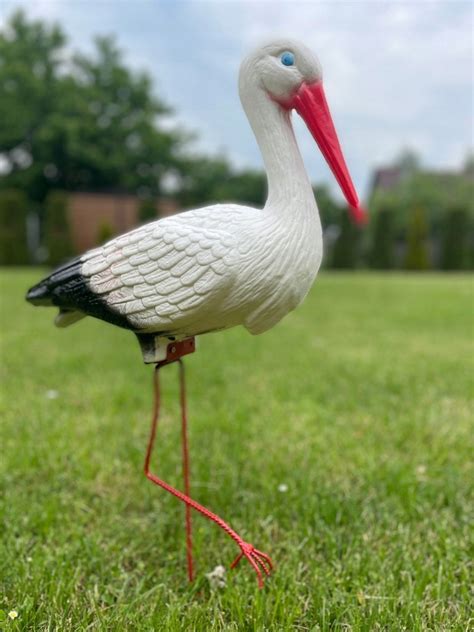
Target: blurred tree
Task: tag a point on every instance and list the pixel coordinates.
(434, 191)
(87, 124)
(455, 240)
(203, 175)
(248, 186)
(213, 180)
(147, 211)
(382, 252)
(346, 251)
(119, 142)
(416, 257)
(105, 233)
(57, 235)
(329, 210)
(29, 75)
(13, 236)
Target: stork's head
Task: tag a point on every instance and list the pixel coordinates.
(291, 75)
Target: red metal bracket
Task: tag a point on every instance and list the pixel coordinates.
(177, 350)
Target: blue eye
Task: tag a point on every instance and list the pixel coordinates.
(287, 59)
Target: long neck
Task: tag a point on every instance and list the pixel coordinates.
(288, 183)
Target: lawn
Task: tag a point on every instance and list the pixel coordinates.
(359, 405)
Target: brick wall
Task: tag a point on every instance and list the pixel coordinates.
(89, 213)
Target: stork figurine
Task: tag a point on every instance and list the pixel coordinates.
(222, 265)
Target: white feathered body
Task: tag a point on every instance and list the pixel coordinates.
(209, 269)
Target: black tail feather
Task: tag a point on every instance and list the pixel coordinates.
(43, 292)
(67, 289)
(39, 294)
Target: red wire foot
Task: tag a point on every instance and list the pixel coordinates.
(257, 559)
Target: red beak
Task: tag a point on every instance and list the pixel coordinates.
(310, 103)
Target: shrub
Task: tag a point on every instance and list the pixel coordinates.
(147, 211)
(455, 239)
(57, 234)
(416, 257)
(382, 251)
(347, 246)
(104, 233)
(13, 235)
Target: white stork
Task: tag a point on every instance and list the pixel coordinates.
(222, 265)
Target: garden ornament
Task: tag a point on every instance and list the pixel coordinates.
(222, 265)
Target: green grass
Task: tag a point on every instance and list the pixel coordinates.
(360, 402)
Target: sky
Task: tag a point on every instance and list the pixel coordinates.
(396, 74)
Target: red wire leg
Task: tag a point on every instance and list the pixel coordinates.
(186, 471)
(258, 560)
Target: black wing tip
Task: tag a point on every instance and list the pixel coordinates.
(39, 295)
(69, 290)
(42, 293)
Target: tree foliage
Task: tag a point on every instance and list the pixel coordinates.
(435, 192)
(417, 257)
(57, 234)
(382, 253)
(147, 210)
(13, 236)
(456, 234)
(330, 211)
(85, 124)
(346, 251)
(105, 233)
(209, 180)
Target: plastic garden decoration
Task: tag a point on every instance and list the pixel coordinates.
(223, 265)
